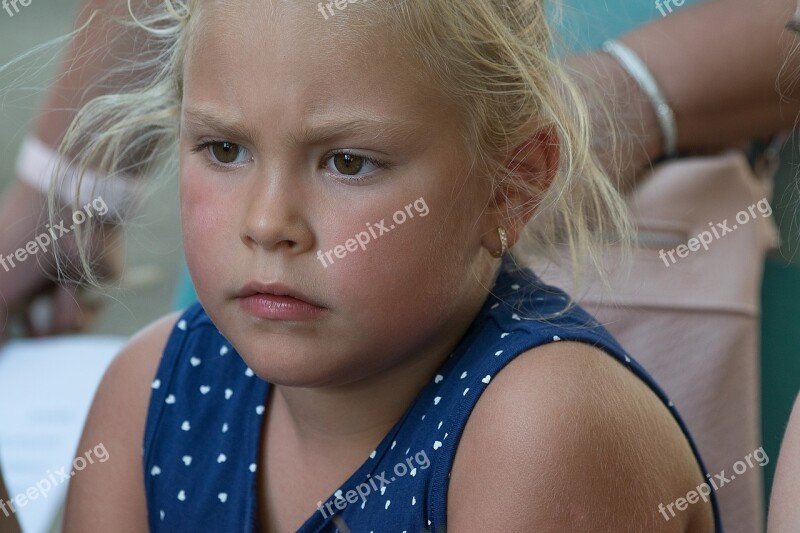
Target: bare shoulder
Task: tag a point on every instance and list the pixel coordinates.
(110, 496)
(577, 443)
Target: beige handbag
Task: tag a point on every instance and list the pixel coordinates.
(694, 325)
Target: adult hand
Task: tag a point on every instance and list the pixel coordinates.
(28, 286)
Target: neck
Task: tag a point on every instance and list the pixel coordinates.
(361, 413)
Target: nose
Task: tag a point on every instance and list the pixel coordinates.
(274, 218)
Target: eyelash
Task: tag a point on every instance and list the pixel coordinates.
(352, 179)
(204, 146)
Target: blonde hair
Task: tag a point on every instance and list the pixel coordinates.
(492, 58)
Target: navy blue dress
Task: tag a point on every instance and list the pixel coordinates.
(201, 444)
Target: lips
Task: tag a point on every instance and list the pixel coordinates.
(255, 288)
(274, 301)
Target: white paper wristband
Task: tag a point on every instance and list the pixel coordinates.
(36, 164)
(639, 72)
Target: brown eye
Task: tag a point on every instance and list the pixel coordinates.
(225, 152)
(348, 164)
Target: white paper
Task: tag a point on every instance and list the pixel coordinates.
(46, 389)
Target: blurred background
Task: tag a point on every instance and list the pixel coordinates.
(152, 240)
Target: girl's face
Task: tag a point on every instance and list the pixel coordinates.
(332, 172)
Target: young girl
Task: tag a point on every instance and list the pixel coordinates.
(365, 354)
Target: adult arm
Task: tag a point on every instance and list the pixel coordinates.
(102, 46)
(728, 68)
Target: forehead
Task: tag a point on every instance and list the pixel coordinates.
(291, 36)
(256, 54)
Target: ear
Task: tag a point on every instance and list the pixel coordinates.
(529, 170)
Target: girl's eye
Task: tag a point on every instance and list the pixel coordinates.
(351, 164)
(225, 152)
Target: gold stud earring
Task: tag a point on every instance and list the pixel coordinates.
(503, 242)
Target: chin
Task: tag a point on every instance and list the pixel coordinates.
(291, 364)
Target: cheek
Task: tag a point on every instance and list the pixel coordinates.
(413, 267)
(203, 221)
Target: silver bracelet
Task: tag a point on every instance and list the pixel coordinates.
(639, 72)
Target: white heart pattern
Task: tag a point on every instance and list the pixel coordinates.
(182, 496)
(187, 460)
(437, 444)
(204, 389)
(182, 325)
(157, 384)
(186, 426)
(223, 496)
(195, 361)
(155, 470)
(228, 394)
(170, 399)
(221, 458)
(487, 379)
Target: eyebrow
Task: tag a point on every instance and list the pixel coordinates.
(203, 118)
(333, 128)
(325, 130)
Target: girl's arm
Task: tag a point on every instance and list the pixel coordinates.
(784, 513)
(729, 69)
(567, 439)
(110, 496)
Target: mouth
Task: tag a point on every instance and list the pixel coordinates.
(275, 301)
